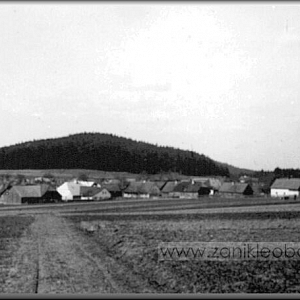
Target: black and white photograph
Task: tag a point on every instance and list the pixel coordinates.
(149, 148)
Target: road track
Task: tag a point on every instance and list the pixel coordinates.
(51, 257)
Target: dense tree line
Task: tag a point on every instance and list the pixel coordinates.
(287, 173)
(106, 152)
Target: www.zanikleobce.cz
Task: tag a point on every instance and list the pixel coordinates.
(228, 251)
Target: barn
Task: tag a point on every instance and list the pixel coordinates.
(114, 189)
(132, 190)
(235, 189)
(168, 188)
(141, 189)
(197, 189)
(19, 194)
(69, 191)
(179, 190)
(103, 194)
(148, 189)
(94, 193)
(286, 187)
(190, 190)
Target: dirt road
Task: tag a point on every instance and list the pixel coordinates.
(52, 257)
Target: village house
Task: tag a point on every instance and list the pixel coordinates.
(132, 190)
(179, 189)
(235, 189)
(94, 193)
(197, 189)
(213, 183)
(103, 194)
(114, 189)
(141, 189)
(149, 189)
(69, 191)
(190, 190)
(285, 187)
(160, 183)
(168, 188)
(19, 194)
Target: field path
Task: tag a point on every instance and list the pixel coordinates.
(52, 258)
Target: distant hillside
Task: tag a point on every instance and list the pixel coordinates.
(106, 152)
(235, 171)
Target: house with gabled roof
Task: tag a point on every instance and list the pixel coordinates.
(234, 189)
(190, 189)
(286, 187)
(114, 189)
(94, 193)
(69, 191)
(160, 183)
(149, 189)
(196, 189)
(19, 194)
(132, 190)
(179, 189)
(141, 189)
(168, 188)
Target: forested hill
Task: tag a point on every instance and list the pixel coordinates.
(108, 153)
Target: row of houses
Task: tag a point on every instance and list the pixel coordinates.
(88, 190)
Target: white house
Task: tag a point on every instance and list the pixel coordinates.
(69, 191)
(285, 187)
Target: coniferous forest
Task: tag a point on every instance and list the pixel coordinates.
(106, 152)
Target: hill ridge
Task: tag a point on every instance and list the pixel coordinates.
(107, 152)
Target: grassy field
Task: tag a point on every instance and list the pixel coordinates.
(11, 230)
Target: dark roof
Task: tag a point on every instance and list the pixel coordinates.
(148, 187)
(286, 183)
(87, 191)
(30, 191)
(230, 187)
(141, 187)
(169, 187)
(194, 188)
(181, 187)
(133, 187)
(4, 188)
(160, 184)
(111, 187)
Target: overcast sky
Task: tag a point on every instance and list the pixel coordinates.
(218, 79)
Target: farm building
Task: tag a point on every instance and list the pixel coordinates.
(149, 189)
(233, 189)
(190, 190)
(141, 189)
(179, 189)
(94, 193)
(285, 187)
(114, 189)
(132, 190)
(103, 194)
(69, 191)
(160, 183)
(19, 194)
(168, 188)
(197, 189)
(213, 183)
